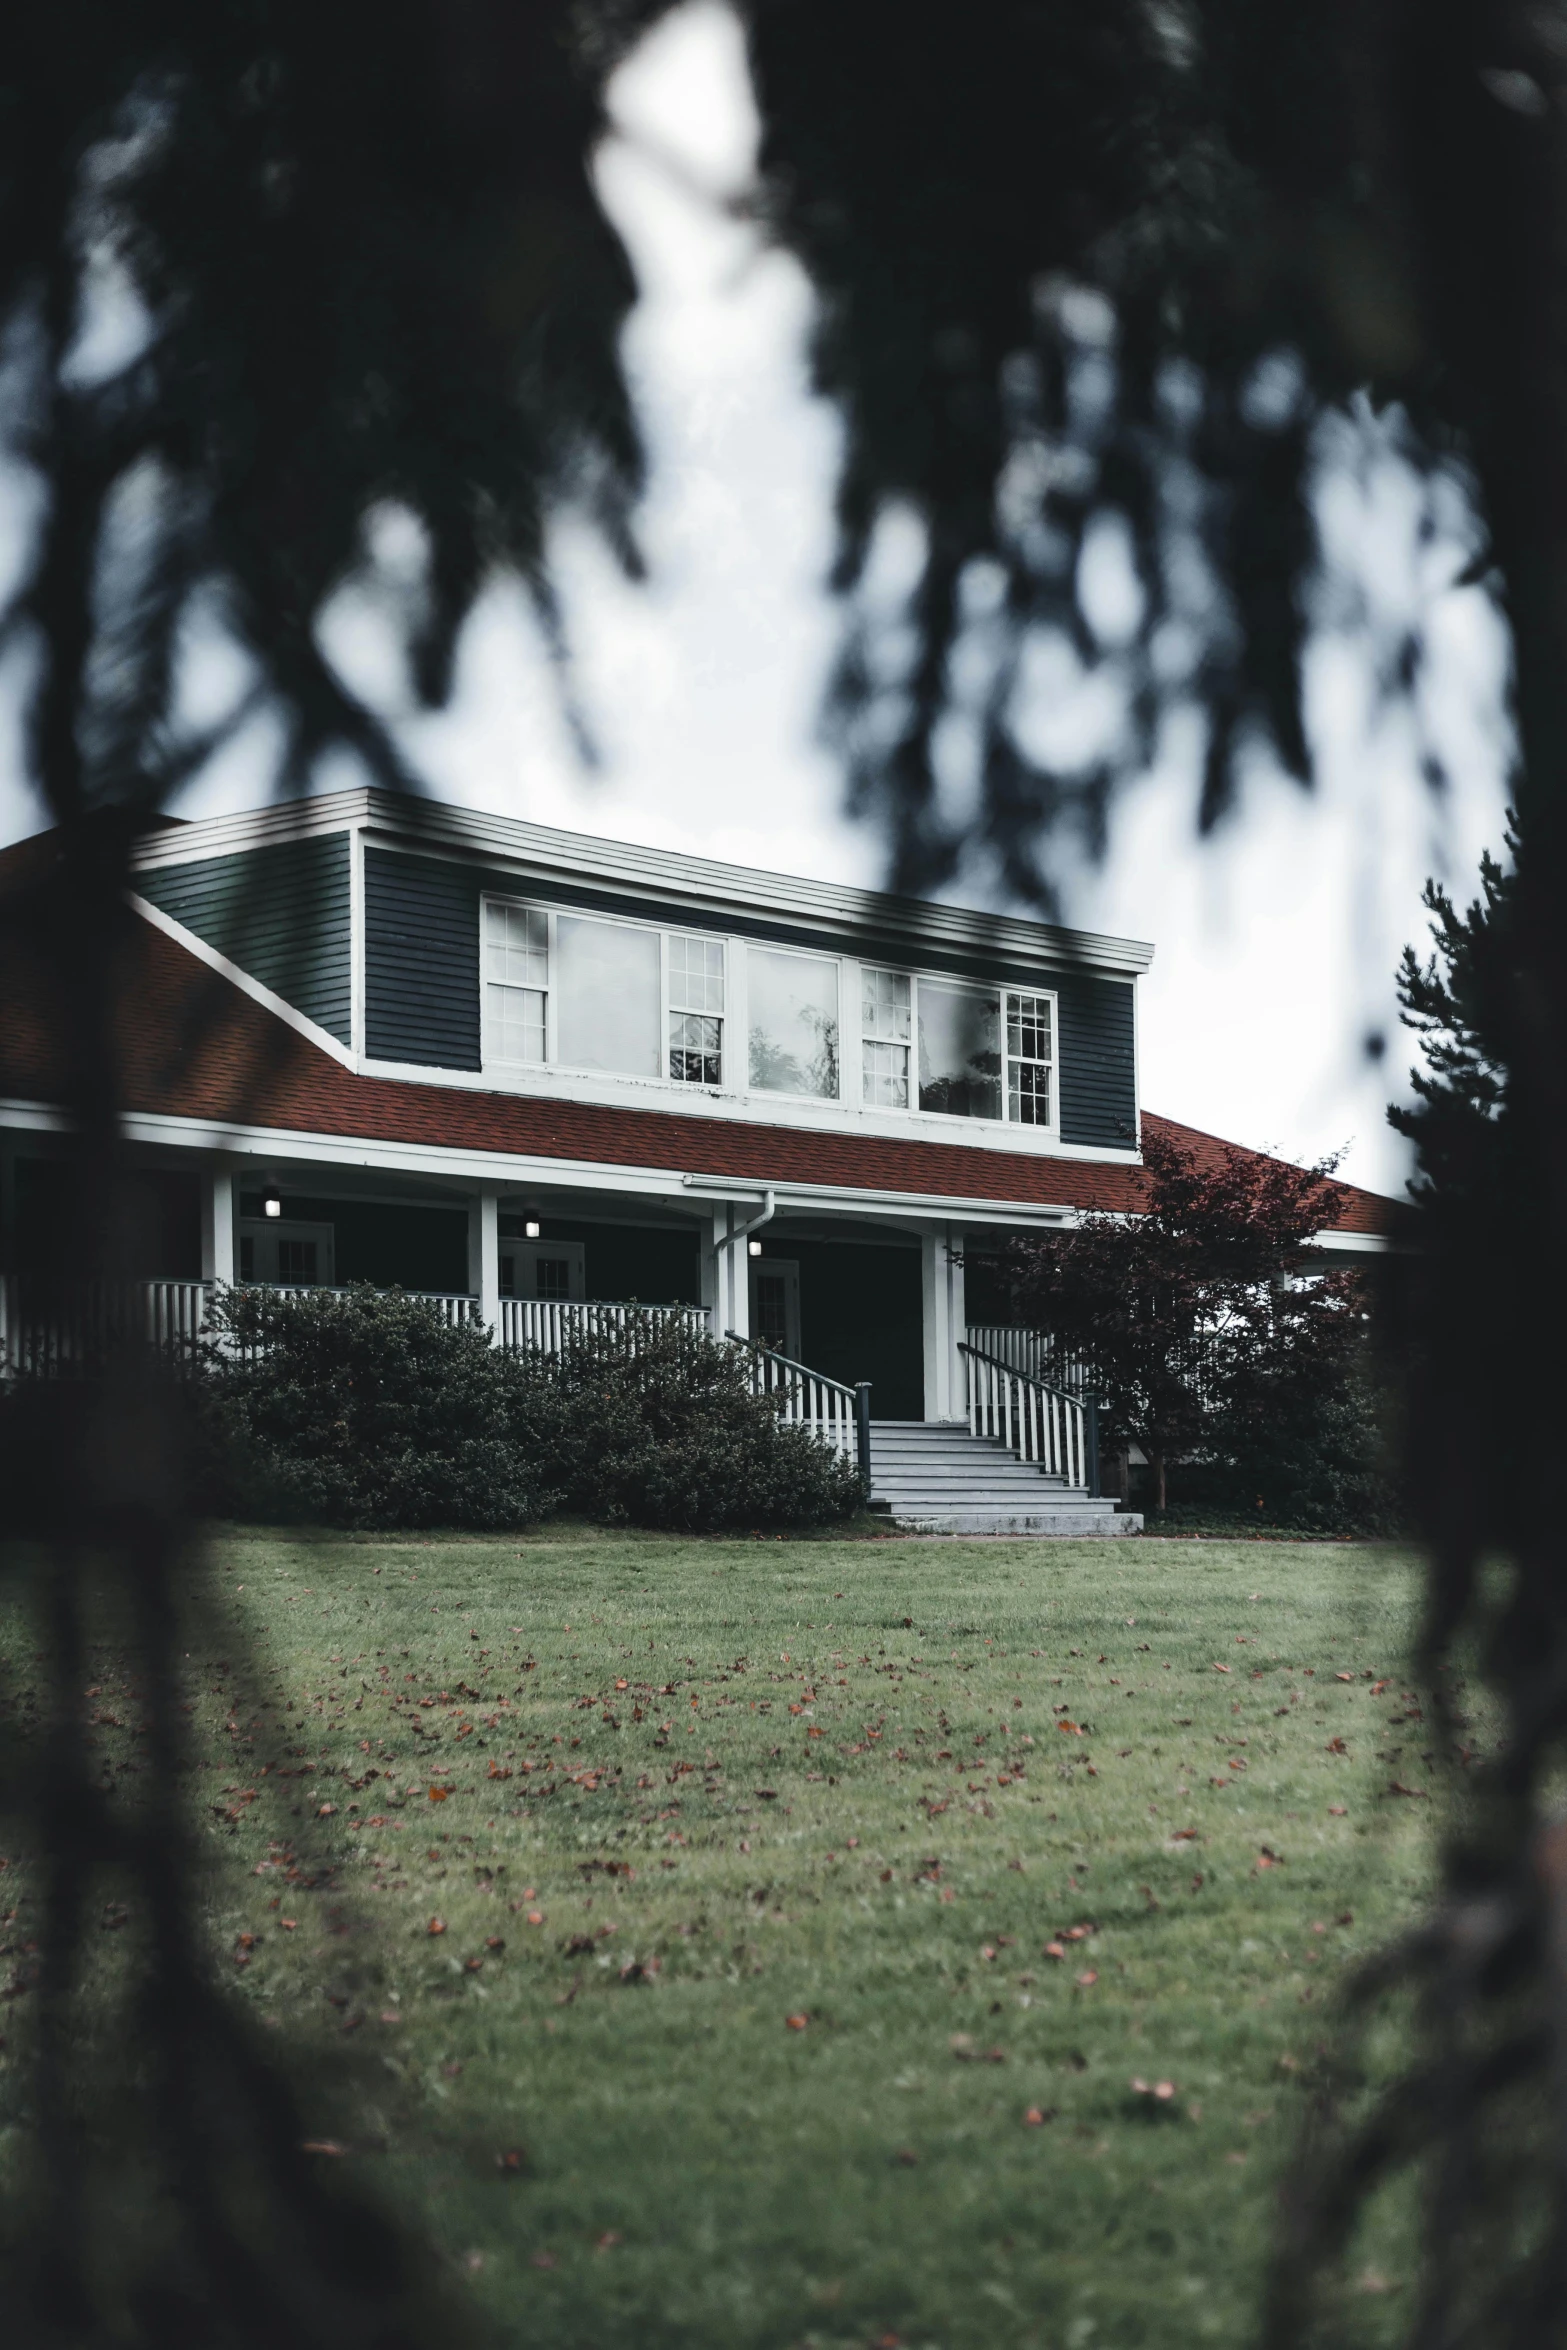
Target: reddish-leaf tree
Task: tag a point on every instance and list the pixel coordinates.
(1176, 1312)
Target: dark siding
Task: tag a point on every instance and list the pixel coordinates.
(421, 961)
(394, 1247)
(1098, 1063)
(621, 1261)
(280, 913)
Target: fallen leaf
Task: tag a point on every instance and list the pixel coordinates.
(797, 2023)
(1336, 1746)
(1221, 1668)
(324, 1811)
(439, 1794)
(436, 1926)
(512, 2161)
(1037, 2115)
(321, 2146)
(1338, 1811)
(1397, 1787)
(1053, 1950)
(1085, 1980)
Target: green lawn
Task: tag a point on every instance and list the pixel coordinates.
(757, 1943)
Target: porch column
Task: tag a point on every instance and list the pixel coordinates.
(942, 1285)
(726, 1281)
(484, 1255)
(217, 1225)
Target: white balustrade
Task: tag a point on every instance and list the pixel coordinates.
(807, 1399)
(1039, 1423)
(547, 1325)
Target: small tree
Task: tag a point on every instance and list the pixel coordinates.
(1176, 1311)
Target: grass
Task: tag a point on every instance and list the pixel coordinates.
(757, 1944)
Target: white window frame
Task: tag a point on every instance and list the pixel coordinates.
(734, 1079)
(1006, 994)
(663, 932)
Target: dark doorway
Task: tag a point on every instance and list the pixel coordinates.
(861, 1317)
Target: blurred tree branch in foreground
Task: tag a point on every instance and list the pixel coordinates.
(1091, 278)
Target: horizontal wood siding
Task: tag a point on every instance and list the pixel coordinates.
(281, 913)
(1098, 1062)
(421, 961)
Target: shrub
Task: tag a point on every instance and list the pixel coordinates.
(361, 1408)
(365, 1408)
(655, 1424)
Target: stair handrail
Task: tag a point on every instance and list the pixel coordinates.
(830, 1408)
(1059, 1433)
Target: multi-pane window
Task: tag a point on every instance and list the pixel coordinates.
(1030, 1057)
(886, 1027)
(517, 978)
(696, 1010)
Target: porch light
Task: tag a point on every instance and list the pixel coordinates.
(753, 1248)
(272, 1201)
(531, 1228)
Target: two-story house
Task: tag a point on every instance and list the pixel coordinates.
(370, 1038)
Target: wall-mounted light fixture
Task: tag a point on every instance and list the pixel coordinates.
(531, 1228)
(272, 1201)
(753, 1248)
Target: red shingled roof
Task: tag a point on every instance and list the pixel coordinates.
(193, 1045)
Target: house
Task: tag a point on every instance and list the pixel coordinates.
(367, 1037)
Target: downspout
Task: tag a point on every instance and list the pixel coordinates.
(745, 1231)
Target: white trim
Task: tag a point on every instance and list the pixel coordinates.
(693, 884)
(1357, 1244)
(356, 942)
(808, 1113)
(256, 989)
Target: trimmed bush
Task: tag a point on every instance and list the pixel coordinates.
(362, 1408)
(366, 1408)
(657, 1425)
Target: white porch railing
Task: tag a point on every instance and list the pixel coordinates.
(1037, 1352)
(839, 1415)
(93, 1319)
(532, 1325)
(1047, 1425)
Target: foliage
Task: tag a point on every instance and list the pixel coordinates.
(1204, 1328)
(657, 1425)
(364, 1408)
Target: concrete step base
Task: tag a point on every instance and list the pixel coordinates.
(1076, 1522)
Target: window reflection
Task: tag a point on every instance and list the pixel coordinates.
(793, 1017)
(607, 996)
(959, 1049)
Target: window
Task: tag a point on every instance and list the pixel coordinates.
(1029, 1059)
(885, 1028)
(296, 1260)
(960, 1049)
(696, 1010)
(983, 1052)
(793, 1019)
(606, 996)
(516, 972)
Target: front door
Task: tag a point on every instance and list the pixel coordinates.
(775, 1305)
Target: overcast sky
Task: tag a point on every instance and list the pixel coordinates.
(1275, 943)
